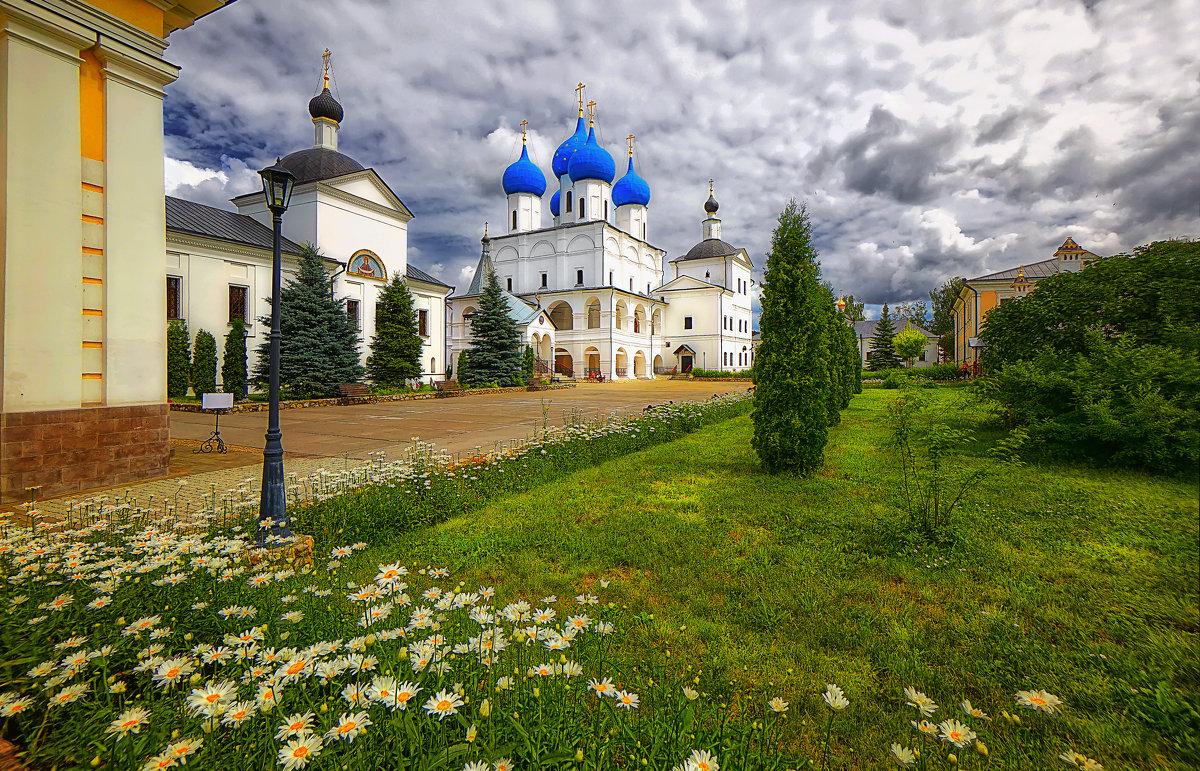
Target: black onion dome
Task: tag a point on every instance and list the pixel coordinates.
(317, 163)
(323, 105)
(711, 204)
(710, 247)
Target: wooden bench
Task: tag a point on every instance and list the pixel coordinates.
(447, 388)
(354, 389)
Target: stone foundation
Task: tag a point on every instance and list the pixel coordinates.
(65, 451)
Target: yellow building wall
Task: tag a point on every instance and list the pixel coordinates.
(141, 14)
(42, 229)
(135, 273)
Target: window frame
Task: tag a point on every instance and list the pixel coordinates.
(245, 303)
(177, 281)
(687, 322)
(423, 322)
(356, 317)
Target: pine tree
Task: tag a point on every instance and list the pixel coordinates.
(204, 363)
(179, 359)
(233, 365)
(791, 372)
(396, 347)
(883, 353)
(318, 349)
(464, 366)
(495, 340)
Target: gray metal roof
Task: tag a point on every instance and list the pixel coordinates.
(417, 274)
(317, 163)
(208, 221)
(710, 247)
(1034, 270)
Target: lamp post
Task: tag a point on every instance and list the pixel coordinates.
(277, 188)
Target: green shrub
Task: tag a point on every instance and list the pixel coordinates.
(947, 371)
(896, 378)
(204, 363)
(233, 365)
(179, 359)
(1103, 364)
(791, 420)
(716, 373)
(1116, 403)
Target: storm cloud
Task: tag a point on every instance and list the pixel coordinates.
(928, 140)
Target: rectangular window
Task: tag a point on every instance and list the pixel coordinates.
(687, 322)
(544, 279)
(423, 323)
(174, 306)
(582, 207)
(239, 307)
(352, 311)
(579, 277)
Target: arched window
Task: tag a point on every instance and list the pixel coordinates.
(582, 208)
(568, 200)
(605, 209)
(643, 231)
(366, 264)
(593, 313)
(432, 364)
(514, 225)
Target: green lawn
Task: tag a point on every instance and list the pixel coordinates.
(1079, 581)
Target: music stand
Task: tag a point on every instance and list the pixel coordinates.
(215, 403)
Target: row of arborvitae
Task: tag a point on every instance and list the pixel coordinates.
(807, 366)
(198, 369)
(319, 343)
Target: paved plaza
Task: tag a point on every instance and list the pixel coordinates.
(331, 437)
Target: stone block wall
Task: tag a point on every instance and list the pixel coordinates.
(65, 451)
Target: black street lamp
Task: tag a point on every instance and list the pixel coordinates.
(277, 185)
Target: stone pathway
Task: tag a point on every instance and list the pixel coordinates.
(335, 439)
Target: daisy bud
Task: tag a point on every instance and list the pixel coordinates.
(194, 679)
(188, 637)
(175, 734)
(981, 748)
(285, 635)
(953, 759)
(537, 693)
(325, 707)
(96, 761)
(485, 708)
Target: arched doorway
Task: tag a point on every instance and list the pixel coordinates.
(592, 357)
(658, 364)
(563, 363)
(639, 364)
(561, 315)
(622, 363)
(544, 348)
(639, 320)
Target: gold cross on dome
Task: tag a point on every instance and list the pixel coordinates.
(325, 65)
(629, 140)
(591, 112)
(710, 187)
(524, 128)
(579, 90)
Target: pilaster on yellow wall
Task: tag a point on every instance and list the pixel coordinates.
(40, 230)
(91, 150)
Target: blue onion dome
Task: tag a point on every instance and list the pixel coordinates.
(592, 162)
(562, 156)
(523, 176)
(323, 105)
(631, 188)
(554, 202)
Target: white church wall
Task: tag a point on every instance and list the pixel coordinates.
(344, 229)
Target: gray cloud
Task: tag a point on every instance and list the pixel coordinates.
(928, 140)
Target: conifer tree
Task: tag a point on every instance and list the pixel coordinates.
(835, 362)
(528, 363)
(853, 384)
(204, 363)
(883, 352)
(396, 347)
(179, 359)
(464, 366)
(495, 340)
(791, 367)
(233, 364)
(318, 350)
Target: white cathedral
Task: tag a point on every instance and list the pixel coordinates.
(589, 290)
